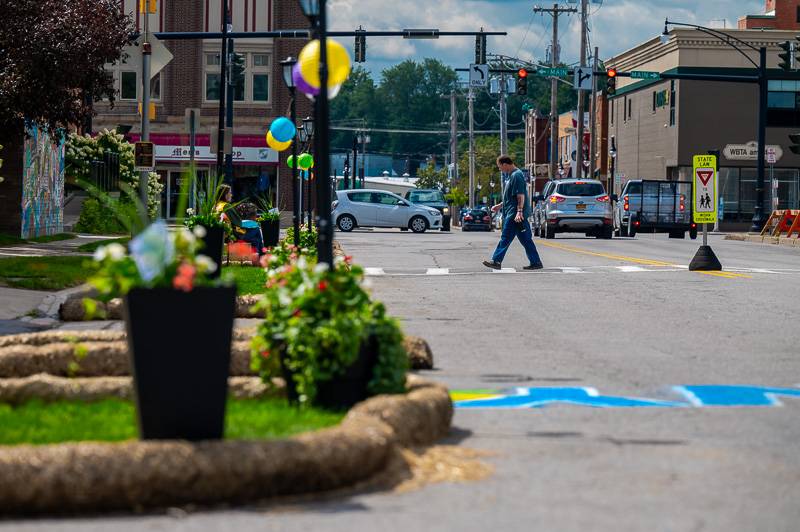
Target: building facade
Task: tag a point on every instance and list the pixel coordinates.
(778, 15)
(659, 125)
(191, 80)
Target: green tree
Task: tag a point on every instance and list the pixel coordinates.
(430, 177)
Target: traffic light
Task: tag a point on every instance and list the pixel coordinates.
(522, 82)
(360, 48)
(794, 147)
(787, 57)
(611, 81)
(480, 49)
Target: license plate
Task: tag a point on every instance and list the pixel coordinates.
(580, 207)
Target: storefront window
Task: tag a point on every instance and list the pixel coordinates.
(729, 192)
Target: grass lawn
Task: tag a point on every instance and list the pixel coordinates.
(249, 279)
(37, 422)
(43, 273)
(91, 247)
(8, 240)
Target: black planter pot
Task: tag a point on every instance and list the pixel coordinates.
(180, 349)
(345, 390)
(271, 231)
(213, 242)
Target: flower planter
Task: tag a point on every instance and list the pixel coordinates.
(180, 349)
(342, 391)
(271, 231)
(213, 243)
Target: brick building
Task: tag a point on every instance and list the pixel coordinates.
(191, 80)
(778, 15)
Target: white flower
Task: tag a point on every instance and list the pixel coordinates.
(190, 212)
(321, 267)
(199, 231)
(100, 254)
(205, 264)
(116, 251)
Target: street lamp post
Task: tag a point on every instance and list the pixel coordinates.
(286, 68)
(761, 66)
(315, 10)
(308, 125)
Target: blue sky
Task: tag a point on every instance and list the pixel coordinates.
(616, 25)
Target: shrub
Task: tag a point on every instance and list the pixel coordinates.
(99, 219)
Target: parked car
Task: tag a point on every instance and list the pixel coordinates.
(431, 197)
(574, 206)
(379, 208)
(477, 220)
(655, 206)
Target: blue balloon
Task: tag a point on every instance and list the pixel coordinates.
(282, 129)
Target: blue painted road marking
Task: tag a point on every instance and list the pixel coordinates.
(539, 397)
(691, 396)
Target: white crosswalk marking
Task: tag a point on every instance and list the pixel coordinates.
(437, 271)
(374, 271)
(629, 269)
(505, 270)
(557, 270)
(571, 269)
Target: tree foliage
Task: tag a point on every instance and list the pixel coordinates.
(413, 95)
(51, 53)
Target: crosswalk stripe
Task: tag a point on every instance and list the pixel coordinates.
(505, 270)
(629, 269)
(437, 271)
(374, 271)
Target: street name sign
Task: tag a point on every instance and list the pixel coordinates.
(644, 74)
(582, 78)
(704, 191)
(143, 157)
(749, 151)
(478, 75)
(552, 72)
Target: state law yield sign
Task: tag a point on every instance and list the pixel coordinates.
(704, 191)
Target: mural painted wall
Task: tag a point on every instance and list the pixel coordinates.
(42, 185)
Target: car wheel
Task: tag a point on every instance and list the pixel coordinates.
(418, 224)
(536, 230)
(346, 223)
(549, 232)
(693, 233)
(606, 233)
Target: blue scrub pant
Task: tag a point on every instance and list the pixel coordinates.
(522, 231)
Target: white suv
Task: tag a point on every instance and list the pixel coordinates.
(379, 208)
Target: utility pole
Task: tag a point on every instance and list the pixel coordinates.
(593, 119)
(223, 73)
(146, 56)
(555, 11)
(454, 136)
(229, 108)
(471, 100)
(579, 155)
(503, 116)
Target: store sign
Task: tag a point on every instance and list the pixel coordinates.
(662, 98)
(204, 154)
(749, 152)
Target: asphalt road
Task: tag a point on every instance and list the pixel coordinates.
(624, 317)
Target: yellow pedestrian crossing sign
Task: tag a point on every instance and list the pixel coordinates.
(704, 191)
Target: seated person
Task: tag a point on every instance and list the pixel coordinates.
(251, 229)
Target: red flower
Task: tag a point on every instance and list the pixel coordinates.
(297, 313)
(184, 278)
(264, 250)
(265, 353)
(322, 286)
(348, 259)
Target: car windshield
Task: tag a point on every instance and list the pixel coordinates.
(426, 196)
(579, 188)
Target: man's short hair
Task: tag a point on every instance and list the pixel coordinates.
(505, 159)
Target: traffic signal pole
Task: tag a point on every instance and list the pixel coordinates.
(471, 101)
(593, 120)
(503, 116)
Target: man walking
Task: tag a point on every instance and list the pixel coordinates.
(516, 210)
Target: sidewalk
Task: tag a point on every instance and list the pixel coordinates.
(52, 249)
(782, 240)
(15, 303)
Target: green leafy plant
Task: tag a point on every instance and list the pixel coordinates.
(286, 252)
(317, 319)
(269, 213)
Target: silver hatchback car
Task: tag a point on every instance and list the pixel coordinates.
(379, 208)
(573, 206)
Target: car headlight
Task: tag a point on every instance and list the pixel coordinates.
(446, 210)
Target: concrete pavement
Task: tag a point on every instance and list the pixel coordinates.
(623, 332)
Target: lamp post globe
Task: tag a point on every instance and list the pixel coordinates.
(310, 8)
(286, 69)
(308, 125)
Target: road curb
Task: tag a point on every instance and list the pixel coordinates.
(774, 240)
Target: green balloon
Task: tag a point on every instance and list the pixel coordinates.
(305, 161)
(290, 161)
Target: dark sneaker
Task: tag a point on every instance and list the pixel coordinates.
(492, 264)
(531, 267)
